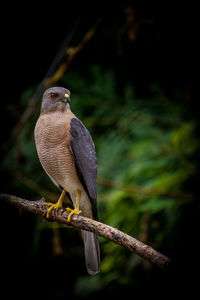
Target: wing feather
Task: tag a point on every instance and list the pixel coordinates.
(85, 159)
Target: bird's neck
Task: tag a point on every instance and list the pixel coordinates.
(67, 107)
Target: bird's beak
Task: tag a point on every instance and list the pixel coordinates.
(66, 98)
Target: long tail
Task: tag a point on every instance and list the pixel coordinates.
(92, 252)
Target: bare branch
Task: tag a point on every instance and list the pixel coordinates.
(54, 73)
(137, 190)
(99, 228)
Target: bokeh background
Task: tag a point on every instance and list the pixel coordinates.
(133, 85)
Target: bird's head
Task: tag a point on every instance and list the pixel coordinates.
(55, 99)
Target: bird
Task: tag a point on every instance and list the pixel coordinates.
(67, 154)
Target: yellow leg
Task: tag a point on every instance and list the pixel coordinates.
(76, 210)
(57, 205)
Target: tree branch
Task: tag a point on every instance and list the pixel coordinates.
(54, 73)
(137, 190)
(99, 228)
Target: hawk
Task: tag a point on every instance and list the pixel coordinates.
(67, 154)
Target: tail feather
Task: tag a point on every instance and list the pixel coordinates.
(92, 252)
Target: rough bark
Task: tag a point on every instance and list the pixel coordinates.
(106, 231)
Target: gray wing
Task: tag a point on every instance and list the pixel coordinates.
(85, 159)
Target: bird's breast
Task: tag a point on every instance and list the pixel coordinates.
(52, 137)
(51, 132)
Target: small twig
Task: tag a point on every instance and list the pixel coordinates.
(136, 190)
(54, 73)
(71, 54)
(45, 83)
(99, 228)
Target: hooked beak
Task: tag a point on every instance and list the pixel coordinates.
(66, 98)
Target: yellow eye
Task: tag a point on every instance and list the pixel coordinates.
(54, 96)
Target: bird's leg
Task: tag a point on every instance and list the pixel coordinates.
(57, 205)
(76, 209)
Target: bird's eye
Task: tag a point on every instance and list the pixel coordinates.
(54, 96)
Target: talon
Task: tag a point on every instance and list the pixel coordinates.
(72, 212)
(52, 206)
(57, 205)
(47, 204)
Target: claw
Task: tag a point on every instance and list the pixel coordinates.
(76, 210)
(52, 206)
(57, 205)
(72, 212)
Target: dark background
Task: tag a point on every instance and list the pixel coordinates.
(142, 43)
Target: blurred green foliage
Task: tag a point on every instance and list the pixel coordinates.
(144, 146)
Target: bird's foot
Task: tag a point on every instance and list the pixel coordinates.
(52, 206)
(71, 212)
(57, 205)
